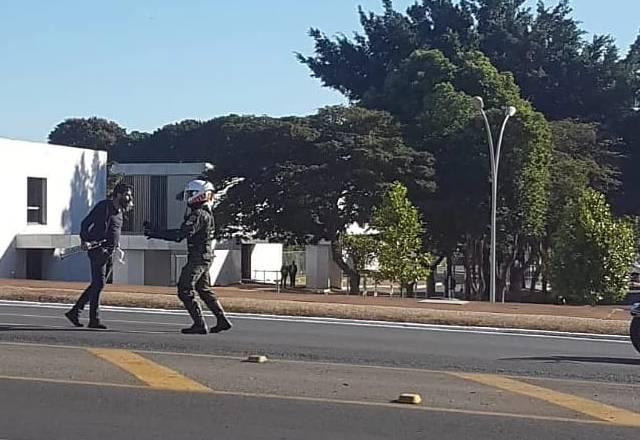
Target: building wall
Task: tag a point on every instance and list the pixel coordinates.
(266, 261)
(76, 180)
(157, 268)
(132, 271)
(322, 272)
(225, 269)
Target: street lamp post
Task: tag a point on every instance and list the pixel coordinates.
(495, 162)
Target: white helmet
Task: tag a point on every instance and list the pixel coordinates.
(198, 192)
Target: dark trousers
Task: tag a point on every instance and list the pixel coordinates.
(99, 261)
(195, 278)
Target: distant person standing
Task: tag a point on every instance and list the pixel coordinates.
(100, 236)
(284, 273)
(293, 270)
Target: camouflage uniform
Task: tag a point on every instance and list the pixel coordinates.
(198, 228)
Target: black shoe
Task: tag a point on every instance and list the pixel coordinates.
(97, 325)
(223, 324)
(195, 330)
(72, 316)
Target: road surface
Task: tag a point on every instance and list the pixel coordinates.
(323, 379)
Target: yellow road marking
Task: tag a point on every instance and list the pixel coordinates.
(597, 410)
(151, 373)
(323, 400)
(331, 364)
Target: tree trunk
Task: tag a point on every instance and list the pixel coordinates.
(354, 283)
(468, 268)
(354, 276)
(431, 281)
(535, 277)
(485, 268)
(504, 272)
(517, 271)
(447, 286)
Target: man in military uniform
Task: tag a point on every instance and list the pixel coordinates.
(198, 228)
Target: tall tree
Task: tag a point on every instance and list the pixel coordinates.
(592, 252)
(400, 230)
(311, 178)
(95, 133)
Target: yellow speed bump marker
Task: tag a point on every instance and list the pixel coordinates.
(410, 398)
(257, 359)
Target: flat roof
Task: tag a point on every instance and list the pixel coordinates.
(161, 169)
(22, 143)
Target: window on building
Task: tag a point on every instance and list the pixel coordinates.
(36, 200)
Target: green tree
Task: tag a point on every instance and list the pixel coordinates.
(400, 254)
(591, 252)
(310, 178)
(95, 133)
(361, 251)
(431, 95)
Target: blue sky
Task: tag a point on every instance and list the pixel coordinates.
(146, 63)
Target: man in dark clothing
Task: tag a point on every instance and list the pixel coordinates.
(198, 228)
(293, 270)
(100, 236)
(284, 273)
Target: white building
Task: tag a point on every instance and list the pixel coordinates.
(50, 188)
(47, 191)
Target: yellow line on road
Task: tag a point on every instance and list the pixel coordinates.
(597, 410)
(151, 373)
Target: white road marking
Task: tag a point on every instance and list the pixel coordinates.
(346, 322)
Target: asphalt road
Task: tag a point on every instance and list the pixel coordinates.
(142, 379)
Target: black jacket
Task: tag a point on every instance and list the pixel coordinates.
(104, 222)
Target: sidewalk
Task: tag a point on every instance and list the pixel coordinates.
(264, 299)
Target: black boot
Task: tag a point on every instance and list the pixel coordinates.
(195, 330)
(97, 325)
(222, 324)
(73, 315)
(199, 327)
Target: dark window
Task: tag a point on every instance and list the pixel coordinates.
(36, 201)
(34, 264)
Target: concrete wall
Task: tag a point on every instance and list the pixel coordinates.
(132, 271)
(323, 273)
(157, 268)
(266, 261)
(225, 269)
(76, 180)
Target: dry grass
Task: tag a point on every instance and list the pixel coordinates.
(346, 311)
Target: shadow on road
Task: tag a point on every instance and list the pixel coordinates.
(8, 328)
(579, 359)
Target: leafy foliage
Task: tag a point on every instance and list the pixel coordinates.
(400, 252)
(592, 252)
